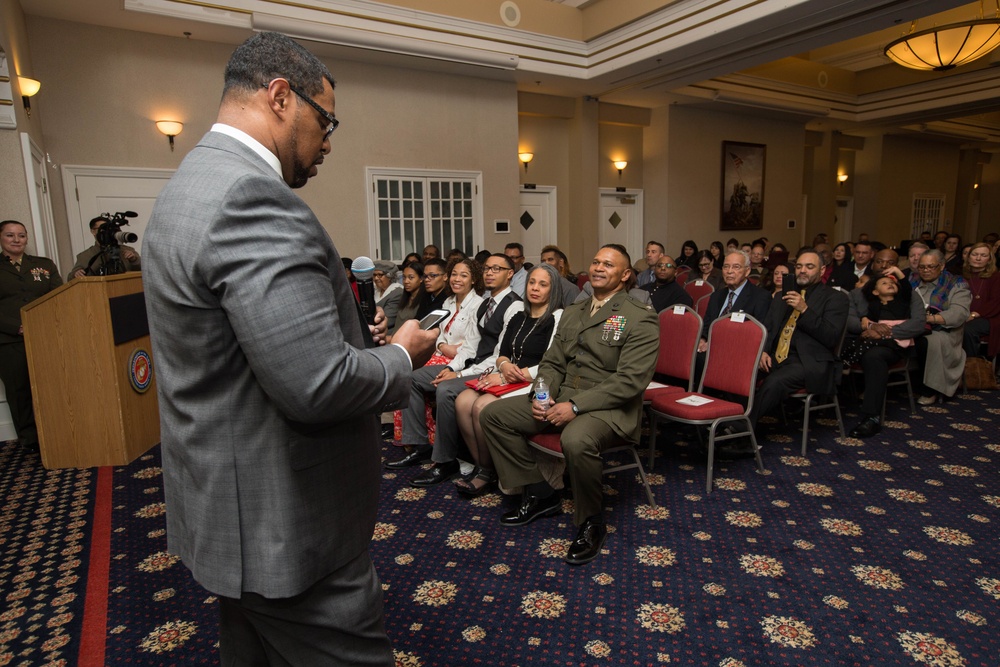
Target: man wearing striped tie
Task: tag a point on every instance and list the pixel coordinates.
(804, 327)
(738, 295)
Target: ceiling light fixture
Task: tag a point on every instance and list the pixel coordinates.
(946, 47)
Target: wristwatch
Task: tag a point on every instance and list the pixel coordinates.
(576, 410)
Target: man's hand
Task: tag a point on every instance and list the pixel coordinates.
(881, 330)
(765, 362)
(560, 414)
(796, 301)
(79, 273)
(702, 345)
(417, 342)
(538, 413)
(129, 255)
(445, 374)
(379, 328)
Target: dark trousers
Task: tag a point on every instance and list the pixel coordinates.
(507, 422)
(974, 329)
(875, 364)
(783, 380)
(336, 621)
(14, 375)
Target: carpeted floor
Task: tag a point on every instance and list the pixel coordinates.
(881, 552)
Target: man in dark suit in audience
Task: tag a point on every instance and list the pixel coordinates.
(738, 295)
(846, 275)
(803, 329)
(665, 291)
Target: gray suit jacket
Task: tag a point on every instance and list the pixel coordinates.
(267, 395)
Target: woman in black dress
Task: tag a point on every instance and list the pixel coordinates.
(522, 344)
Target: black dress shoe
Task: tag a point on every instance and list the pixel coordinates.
(388, 430)
(533, 508)
(588, 543)
(414, 458)
(440, 472)
(867, 428)
(733, 451)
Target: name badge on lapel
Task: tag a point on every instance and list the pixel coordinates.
(613, 327)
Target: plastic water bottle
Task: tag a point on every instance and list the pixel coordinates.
(541, 394)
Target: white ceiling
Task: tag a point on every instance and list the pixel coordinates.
(819, 61)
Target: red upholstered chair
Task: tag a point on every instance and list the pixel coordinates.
(696, 291)
(701, 305)
(582, 279)
(680, 331)
(734, 350)
(682, 273)
(754, 279)
(551, 444)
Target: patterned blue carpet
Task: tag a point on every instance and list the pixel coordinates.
(882, 552)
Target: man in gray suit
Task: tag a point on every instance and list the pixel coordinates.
(268, 397)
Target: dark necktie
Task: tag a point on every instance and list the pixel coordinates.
(729, 304)
(491, 305)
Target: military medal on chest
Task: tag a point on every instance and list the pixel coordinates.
(613, 327)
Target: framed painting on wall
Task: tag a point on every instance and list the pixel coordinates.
(742, 201)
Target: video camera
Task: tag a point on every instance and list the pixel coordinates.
(110, 237)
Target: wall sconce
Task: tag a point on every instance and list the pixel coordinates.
(620, 165)
(171, 128)
(842, 178)
(29, 88)
(525, 158)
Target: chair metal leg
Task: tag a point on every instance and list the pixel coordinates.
(840, 418)
(642, 476)
(805, 422)
(652, 440)
(711, 458)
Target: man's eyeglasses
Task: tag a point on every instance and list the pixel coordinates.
(927, 267)
(432, 276)
(327, 116)
(495, 269)
(663, 266)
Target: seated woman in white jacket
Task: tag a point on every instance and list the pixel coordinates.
(522, 344)
(465, 283)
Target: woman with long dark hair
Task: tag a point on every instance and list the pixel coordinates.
(689, 255)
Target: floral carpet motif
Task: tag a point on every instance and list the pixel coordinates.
(44, 550)
(874, 552)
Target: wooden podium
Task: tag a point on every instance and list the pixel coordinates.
(91, 373)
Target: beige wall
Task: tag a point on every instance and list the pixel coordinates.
(693, 189)
(100, 110)
(911, 166)
(13, 185)
(989, 198)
